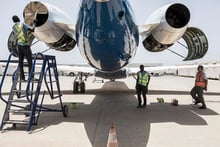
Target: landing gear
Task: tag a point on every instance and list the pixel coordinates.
(79, 84)
(79, 87)
(65, 111)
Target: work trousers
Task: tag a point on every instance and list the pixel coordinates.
(141, 90)
(24, 52)
(197, 94)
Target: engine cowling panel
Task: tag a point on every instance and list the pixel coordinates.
(151, 44)
(53, 26)
(173, 20)
(197, 43)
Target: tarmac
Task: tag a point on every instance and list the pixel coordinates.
(92, 114)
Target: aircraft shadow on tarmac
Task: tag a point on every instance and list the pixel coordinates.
(112, 104)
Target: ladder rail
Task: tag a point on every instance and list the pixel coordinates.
(34, 101)
(49, 84)
(50, 90)
(58, 85)
(32, 75)
(3, 78)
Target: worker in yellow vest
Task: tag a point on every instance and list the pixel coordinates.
(23, 34)
(200, 85)
(143, 79)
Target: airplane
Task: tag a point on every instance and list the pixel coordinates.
(107, 35)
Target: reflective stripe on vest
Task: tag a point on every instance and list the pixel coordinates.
(143, 79)
(200, 81)
(18, 28)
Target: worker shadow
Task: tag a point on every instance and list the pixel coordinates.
(113, 105)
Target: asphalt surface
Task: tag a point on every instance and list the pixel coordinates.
(92, 114)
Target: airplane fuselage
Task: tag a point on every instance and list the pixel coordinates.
(106, 33)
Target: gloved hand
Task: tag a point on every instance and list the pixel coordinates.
(35, 21)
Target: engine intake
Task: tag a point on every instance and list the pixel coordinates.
(177, 15)
(35, 11)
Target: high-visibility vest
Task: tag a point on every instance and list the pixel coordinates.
(143, 79)
(200, 81)
(21, 34)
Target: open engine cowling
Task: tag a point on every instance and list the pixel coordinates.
(53, 26)
(171, 25)
(197, 43)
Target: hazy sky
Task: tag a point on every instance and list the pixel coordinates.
(204, 15)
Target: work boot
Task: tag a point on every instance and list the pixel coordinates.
(202, 107)
(139, 106)
(196, 102)
(23, 80)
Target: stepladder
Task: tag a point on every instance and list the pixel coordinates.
(24, 103)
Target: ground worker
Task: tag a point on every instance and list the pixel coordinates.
(23, 34)
(143, 79)
(200, 85)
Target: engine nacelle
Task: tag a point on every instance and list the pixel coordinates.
(53, 26)
(170, 24)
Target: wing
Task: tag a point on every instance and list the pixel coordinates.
(212, 70)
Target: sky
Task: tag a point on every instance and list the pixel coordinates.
(204, 15)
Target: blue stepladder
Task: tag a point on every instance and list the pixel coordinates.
(26, 97)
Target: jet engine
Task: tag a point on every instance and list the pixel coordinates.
(170, 23)
(53, 26)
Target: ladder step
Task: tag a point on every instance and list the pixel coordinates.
(36, 72)
(21, 96)
(19, 101)
(22, 122)
(52, 65)
(57, 96)
(35, 80)
(26, 64)
(32, 80)
(24, 91)
(52, 81)
(19, 111)
(21, 81)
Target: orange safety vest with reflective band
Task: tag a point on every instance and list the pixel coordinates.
(200, 81)
(142, 79)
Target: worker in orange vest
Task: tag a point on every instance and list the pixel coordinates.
(200, 85)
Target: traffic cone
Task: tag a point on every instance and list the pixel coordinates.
(112, 138)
